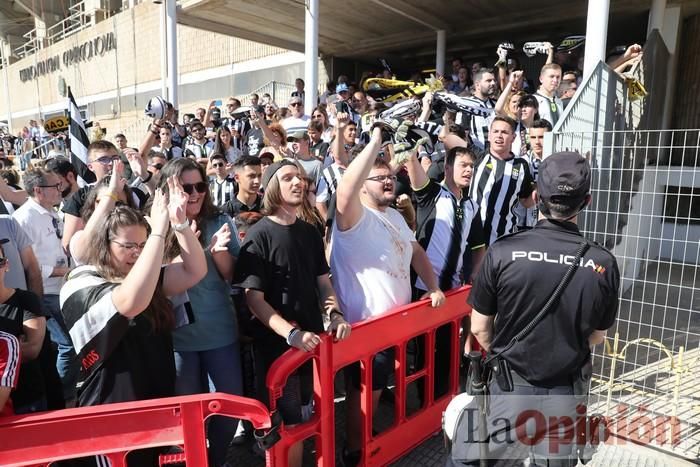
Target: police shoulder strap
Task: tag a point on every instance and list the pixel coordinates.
(553, 298)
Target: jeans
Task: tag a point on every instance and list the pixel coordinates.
(216, 370)
(67, 361)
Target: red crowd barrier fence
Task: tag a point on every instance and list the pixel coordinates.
(113, 430)
(394, 329)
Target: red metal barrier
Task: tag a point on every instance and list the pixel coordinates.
(395, 328)
(116, 429)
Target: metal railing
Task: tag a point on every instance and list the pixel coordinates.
(77, 20)
(645, 211)
(280, 93)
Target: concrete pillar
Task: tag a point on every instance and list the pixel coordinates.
(596, 34)
(311, 56)
(171, 33)
(440, 52)
(163, 52)
(5, 51)
(40, 32)
(656, 15)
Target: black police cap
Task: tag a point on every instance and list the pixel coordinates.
(564, 176)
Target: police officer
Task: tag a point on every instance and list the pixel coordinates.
(518, 276)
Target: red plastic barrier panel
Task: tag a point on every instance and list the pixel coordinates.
(114, 430)
(396, 328)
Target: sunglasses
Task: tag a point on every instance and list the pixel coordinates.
(217, 165)
(3, 261)
(156, 166)
(198, 129)
(295, 104)
(189, 188)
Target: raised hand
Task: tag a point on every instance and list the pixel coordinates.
(177, 203)
(136, 162)
(220, 240)
(159, 214)
(117, 181)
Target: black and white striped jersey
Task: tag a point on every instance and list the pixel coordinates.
(446, 227)
(477, 125)
(496, 187)
(222, 191)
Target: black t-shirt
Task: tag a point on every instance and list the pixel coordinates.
(254, 142)
(234, 206)
(519, 274)
(283, 261)
(20, 307)
(75, 202)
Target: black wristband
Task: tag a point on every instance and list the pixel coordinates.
(150, 175)
(337, 312)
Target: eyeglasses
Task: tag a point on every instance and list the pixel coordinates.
(54, 221)
(106, 160)
(295, 104)
(382, 178)
(156, 166)
(217, 165)
(189, 188)
(131, 247)
(197, 129)
(58, 186)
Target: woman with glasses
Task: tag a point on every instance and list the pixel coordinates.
(207, 355)
(116, 307)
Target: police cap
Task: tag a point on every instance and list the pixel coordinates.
(564, 177)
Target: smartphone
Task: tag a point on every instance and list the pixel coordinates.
(342, 106)
(218, 103)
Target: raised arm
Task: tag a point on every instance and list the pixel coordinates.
(416, 173)
(501, 103)
(134, 294)
(550, 53)
(340, 155)
(192, 267)
(149, 139)
(427, 107)
(348, 205)
(106, 204)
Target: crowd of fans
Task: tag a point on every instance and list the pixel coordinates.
(230, 235)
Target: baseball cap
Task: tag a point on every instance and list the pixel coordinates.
(272, 170)
(299, 134)
(341, 87)
(564, 177)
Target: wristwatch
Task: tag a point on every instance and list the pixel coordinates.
(181, 227)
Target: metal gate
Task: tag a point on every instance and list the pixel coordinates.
(646, 211)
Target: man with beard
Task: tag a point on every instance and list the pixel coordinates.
(67, 173)
(372, 252)
(500, 180)
(281, 257)
(485, 85)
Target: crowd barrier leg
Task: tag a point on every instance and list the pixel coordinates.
(394, 329)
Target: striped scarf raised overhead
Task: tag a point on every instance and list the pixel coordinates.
(79, 143)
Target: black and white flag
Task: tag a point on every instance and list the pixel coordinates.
(79, 143)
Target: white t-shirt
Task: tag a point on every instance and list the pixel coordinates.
(371, 264)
